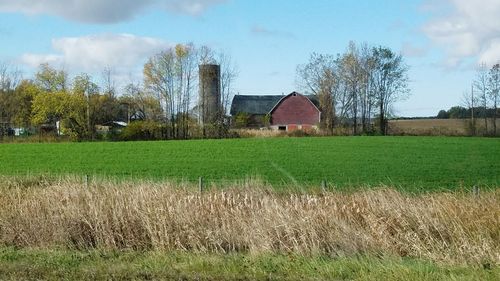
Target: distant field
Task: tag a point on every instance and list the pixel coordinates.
(440, 127)
(410, 162)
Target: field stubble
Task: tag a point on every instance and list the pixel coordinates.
(451, 228)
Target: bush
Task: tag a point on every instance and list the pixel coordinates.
(241, 120)
(143, 130)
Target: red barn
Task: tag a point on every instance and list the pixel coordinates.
(295, 112)
(288, 113)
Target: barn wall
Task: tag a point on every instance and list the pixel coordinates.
(295, 109)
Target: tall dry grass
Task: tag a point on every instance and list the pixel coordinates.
(455, 228)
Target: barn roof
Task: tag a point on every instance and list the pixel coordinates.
(254, 104)
(312, 99)
(259, 104)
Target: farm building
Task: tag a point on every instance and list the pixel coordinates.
(283, 112)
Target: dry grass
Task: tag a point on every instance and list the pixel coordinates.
(453, 228)
(256, 133)
(441, 127)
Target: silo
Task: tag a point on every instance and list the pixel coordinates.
(210, 93)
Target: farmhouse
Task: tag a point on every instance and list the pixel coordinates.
(288, 113)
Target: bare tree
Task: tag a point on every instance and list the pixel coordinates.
(367, 99)
(494, 92)
(108, 82)
(353, 78)
(206, 55)
(351, 85)
(10, 77)
(481, 85)
(469, 100)
(229, 72)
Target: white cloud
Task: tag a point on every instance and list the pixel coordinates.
(410, 50)
(262, 31)
(469, 30)
(104, 11)
(492, 53)
(121, 52)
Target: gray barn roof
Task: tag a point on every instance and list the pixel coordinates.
(254, 104)
(259, 105)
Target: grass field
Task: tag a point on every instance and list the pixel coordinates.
(408, 162)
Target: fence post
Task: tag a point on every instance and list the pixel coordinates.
(86, 180)
(323, 185)
(200, 184)
(475, 190)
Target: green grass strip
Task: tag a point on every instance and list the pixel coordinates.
(75, 265)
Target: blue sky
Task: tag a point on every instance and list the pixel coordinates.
(442, 40)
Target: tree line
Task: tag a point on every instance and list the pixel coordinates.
(482, 100)
(479, 103)
(356, 89)
(161, 104)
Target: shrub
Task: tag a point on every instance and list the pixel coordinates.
(143, 130)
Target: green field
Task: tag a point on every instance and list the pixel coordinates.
(409, 162)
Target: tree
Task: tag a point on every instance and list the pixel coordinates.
(140, 104)
(24, 94)
(354, 77)
(494, 92)
(481, 87)
(458, 112)
(108, 83)
(469, 100)
(9, 79)
(87, 90)
(390, 81)
(443, 114)
(63, 107)
(351, 85)
(50, 79)
(229, 72)
(319, 77)
(170, 75)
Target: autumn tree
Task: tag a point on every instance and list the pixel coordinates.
(51, 80)
(63, 107)
(170, 75)
(24, 94)
(319, 77)
(87, 90)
